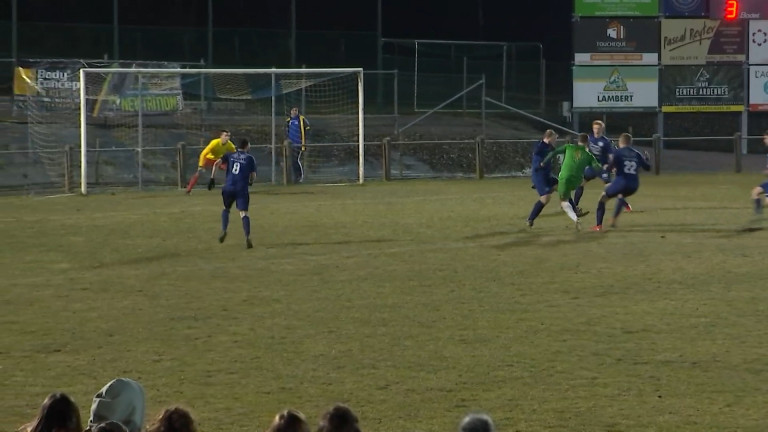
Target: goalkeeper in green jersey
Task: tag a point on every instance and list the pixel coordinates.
(576, 159)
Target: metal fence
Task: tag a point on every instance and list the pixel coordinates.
(171, 166)
(242, 47)
(437, 69)
(429, 70)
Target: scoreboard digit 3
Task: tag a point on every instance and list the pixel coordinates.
(738, 9)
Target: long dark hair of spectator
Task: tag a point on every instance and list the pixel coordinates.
(174, 419)
(338, 419)
(58, 413)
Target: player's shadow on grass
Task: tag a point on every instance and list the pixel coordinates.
(690, 229)
(530, 238)
(331, 243)
(493, 234)
(747, 230)
(697, 208)
(489, 235)
(138, 260)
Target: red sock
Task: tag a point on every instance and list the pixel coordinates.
(193, 181)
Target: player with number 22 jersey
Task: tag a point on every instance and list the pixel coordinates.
(627, 161)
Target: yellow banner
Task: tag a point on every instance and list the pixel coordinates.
(24, 82)
(702, 108)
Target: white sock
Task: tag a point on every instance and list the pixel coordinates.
(569, 210)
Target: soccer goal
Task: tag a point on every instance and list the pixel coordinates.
(143, 127)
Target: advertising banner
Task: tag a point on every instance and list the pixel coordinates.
(614, 8)
(701, 41)
(125, 92)
(758, 42)
(702, 88)
(616, 41)
(54, 85)
(615, 87)
(685, 8)
(758, 88)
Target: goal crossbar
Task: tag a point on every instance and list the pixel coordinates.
(83, 72)
(229, 71)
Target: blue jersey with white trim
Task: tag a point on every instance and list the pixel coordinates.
(601, 148)
(627, 161)
(240, 165)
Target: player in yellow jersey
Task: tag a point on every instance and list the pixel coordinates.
(215, 149)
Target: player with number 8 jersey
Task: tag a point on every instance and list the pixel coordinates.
(626, 160)
(241, 171)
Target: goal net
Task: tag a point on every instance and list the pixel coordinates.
(144, 127)
(46, 92)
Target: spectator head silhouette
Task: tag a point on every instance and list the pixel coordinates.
(477, 422)
(174, 419)
(338, 419)
(108, 426)
(58, 413)
(289, 420)
(121, 400)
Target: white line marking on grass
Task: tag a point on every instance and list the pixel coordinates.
(55, 196)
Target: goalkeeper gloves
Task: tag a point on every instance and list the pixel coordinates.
(211, 183)
(605, 176)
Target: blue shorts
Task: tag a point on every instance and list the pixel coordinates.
(764, 187)
(543, 182)
(591, 173)
(619, 186)
(241, 199)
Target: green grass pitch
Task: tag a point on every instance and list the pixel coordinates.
(414, 302)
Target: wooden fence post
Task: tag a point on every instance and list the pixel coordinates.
(479, 169)
(67, 168)
(385, 159)
(286, 161)
(180, 151)
(656, 154)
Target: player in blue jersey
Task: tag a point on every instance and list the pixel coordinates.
(601, 148)
(541, 175)
(626, 160)
(241, 171)
(760, 193)
(297, 133)
(544, 181)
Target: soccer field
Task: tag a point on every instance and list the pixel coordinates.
(414, 302)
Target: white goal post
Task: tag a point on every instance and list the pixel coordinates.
(146, 112)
